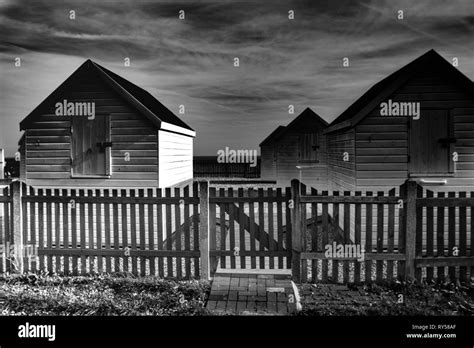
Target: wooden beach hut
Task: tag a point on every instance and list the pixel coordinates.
(99, 130)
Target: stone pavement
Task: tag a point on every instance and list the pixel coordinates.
(248, 292)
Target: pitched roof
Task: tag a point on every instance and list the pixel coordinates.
(379, 91)
(148, 105)
(304, 121)
(273, 135)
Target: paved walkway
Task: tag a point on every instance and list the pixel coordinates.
(252, 292)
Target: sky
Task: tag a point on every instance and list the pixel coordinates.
(190, 62)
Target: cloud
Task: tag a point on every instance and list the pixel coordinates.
(190, 62)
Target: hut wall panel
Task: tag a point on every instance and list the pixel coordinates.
(288, 158)
(382, 142)
(48, 141)
(341, 173)
(175, 162)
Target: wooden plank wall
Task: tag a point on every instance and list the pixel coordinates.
(341, 173)
(382, 143)
(48, 142)
(283, 168)
(175, 158)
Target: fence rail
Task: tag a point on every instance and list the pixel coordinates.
(190, 232)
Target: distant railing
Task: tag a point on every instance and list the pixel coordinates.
(208, 167)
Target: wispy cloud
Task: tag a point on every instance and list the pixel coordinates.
(190, 62)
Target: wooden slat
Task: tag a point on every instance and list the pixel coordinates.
(419, 229)
(40, 229)
(391, 234)
(108, 266)
(196, 228)
(253, 260)
(122, 200)
(25, 221)
(451, 235)
(368, 240)
(49, 231)
(349, 199)
(303, 237)
(244, 199)
(160, 246)
(261, 223)
(325, 231)
(125, 239)
(240, 193)
(141, 224)
(450, 201)
(368, 256)
(288, 231)
(314, 236)
(248, 253)
(230, 193)
(380, 223)
(116, 253)
(33, 215)
(223, 234)
(357, 236)
(169, 245)
(90, 229)
(271, 231)
(347, 236)
(462, 237)
(82, 231)
(187, 234)
(335, 263)
(151, 233)
(429, 236)
(177, 220)
(133, 233)
(98, 228)
(440, 237)
(115, 229)
(445, 261)
(279, 206)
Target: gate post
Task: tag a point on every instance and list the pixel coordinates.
(204, 230)
(410, 228)
(17, 233)
(296, 231)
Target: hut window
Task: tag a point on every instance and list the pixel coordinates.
(308, 147)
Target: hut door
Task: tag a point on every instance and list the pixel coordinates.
(430, 142)
(89, 142)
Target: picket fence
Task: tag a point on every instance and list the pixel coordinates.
(192, 231)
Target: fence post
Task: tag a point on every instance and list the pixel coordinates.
(17, 233)
(296, 230)
(410, 228)
(204, 230)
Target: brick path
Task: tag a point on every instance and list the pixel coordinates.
(242, 293)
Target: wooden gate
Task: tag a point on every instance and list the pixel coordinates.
(250, 228)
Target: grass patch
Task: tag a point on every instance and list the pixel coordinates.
(101, 295)
(383, 299)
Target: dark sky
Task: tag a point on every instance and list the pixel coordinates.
(190, 62)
